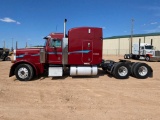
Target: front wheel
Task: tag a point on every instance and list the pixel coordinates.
(24, 72)
(147, 58)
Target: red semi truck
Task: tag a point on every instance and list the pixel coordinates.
(79, 52)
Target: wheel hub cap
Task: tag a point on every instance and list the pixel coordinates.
(122, 71)
(142, 70)
(23, 73)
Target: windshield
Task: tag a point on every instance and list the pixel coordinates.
(45, 42)
(149, 47)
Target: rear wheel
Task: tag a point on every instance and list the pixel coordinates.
(24, 72)
(133, 67)
(141, 70)
(128, 57)
(121, 70)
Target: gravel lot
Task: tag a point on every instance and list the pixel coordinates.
(80, 98)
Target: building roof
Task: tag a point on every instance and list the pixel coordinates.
(135, 35)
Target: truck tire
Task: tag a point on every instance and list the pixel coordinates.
(133, 67)
(24, 72)
(147, 58)
(137, 57)
(128, 56)
(141, 70)
(7, 59)
(133, 56)
(121, 70)
(103, 68)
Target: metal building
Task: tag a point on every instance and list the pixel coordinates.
(120, 45)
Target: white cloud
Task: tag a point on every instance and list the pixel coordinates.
(154, 8)
(104, 27)
(149, 24)
(9, 20)
(157, 29)
(144, 24)
(18, 23)
(153, 23)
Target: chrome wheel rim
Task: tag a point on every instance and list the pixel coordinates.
(23, 73)
(142, 71)
(122, 71)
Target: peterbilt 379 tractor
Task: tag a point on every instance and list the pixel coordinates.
(79, 52)
(145, 50)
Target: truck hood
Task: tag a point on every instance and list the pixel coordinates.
(24, 52)
(150, 51)
(30, 48)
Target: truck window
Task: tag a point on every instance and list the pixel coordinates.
(55, 43)
(149, 47)
(45, 42)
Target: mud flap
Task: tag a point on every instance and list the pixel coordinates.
(11, 73)
(151, 74)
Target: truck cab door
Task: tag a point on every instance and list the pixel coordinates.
(142, 50)
(87, 55)
(54, 52)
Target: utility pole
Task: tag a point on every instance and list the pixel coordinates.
(26, 45)
(12, 44)
(16, 45)
(4, 45)
(132, 27)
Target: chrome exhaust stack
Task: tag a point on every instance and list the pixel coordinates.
(65, 20)
(65, 47)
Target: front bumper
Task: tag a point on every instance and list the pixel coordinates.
(155, 58)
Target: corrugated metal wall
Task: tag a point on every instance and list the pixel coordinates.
(120, 46)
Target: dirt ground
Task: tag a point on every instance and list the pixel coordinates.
(80, 98)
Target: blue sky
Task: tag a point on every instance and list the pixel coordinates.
(30, 20)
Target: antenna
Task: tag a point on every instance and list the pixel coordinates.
(26, 45)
